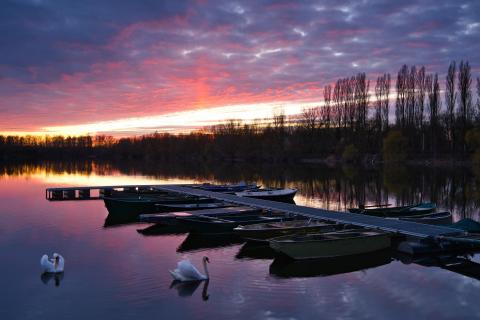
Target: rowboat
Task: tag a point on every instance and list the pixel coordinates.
(331, 244)
(147, 204)
(170, 217)
(192, 206)
(269, 194)
(421, 208)
(227, 224)
(441, 218)
(264, 231)
(227, 188)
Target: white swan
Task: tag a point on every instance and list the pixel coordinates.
(186, 271)
(54, 265)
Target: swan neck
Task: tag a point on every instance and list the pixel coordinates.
(206, 269)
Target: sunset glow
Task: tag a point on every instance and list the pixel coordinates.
(180, 66)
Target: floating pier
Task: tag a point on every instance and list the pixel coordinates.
(399, 227)
(93, 192)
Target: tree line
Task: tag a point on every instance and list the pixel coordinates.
(357, 122)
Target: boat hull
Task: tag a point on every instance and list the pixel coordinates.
(332, 248)
(262, 235)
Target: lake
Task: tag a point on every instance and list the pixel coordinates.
(115, 272)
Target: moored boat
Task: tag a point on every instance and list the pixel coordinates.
(228, 188)
(148, 204)
(421, 208)
(170, 217)
(331, 244)
(440, 218)
(227, 224)
(270, 194)
(264, 231)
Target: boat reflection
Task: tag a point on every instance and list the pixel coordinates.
(188, 288)
(197, 241)
(256, 250)
(461, 264)
(162, 230)
(47, 277)
(287, 268)
(118, 220)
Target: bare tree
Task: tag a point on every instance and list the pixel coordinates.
(401, 102)
(420, 97)
(326, 113)
(382, 92)
(465, 110)
(450, 101)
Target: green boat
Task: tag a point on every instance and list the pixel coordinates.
(264, 231)
(417, 209)
(331, 244)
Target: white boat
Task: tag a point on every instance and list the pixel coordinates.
(269, 194)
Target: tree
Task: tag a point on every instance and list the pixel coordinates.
(450, 101)
(465, 111)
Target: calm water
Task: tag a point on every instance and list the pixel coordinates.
(117, 273)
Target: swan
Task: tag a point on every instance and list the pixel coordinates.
(54, 265)
(186, 271)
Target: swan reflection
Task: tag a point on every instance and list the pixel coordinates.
(47, 277)
(187, 289)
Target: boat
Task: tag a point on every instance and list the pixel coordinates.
(207, 224)
(264, 231)
(420, 208)
(331, 244)
(191, 206)
(147, 204)
(170, 217)
(440, 218)
(275, 194)
(227, 188)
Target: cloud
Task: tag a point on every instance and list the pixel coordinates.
(70, 62)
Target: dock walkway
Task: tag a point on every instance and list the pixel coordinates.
(390, 225)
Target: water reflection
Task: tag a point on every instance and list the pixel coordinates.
(47, 277)
(113, 220)
(463, 265)
(130, 277)
(188, 288)
(200, 241)
(252, 250)
(163, 230)
(287, 268)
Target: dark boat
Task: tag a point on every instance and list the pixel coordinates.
(191, 206)
(170, 217)
(439, 218)
(264, 231)
(227, 224)
(148, 204)
(227, 188)
(417, 209)
(274, 194)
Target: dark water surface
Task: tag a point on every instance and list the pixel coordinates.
(117, 273)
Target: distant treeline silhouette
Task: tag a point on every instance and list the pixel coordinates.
(354, 124)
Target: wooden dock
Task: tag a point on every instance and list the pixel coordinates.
(93, 192)
(397, 226)
(371, 222)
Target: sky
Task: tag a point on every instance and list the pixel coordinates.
(133, 67)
